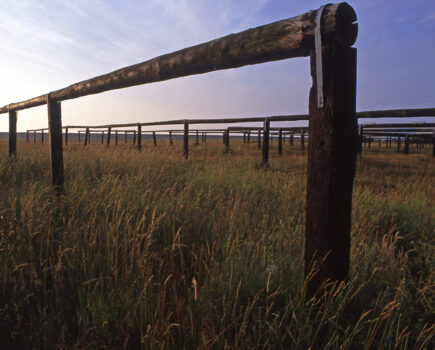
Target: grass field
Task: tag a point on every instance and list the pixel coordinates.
(147, 250)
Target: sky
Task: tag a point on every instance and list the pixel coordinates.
(46, 45)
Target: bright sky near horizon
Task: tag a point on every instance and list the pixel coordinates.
(49, 44)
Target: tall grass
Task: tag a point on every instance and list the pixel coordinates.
(147, 250)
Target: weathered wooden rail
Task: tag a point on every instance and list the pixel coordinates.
(326, 36)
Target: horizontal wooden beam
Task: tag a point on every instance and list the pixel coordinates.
(293, 37)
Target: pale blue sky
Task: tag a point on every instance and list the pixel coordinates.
(49, 44)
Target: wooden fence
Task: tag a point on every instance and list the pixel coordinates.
(326, 36)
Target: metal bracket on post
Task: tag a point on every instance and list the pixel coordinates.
(318, 51)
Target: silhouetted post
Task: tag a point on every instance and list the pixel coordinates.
(109, 134)
(280, 141)
(86, 136)
(249, 137)
(66, 136)
(433, 144)
(244, 137)
(139, 137)
(27, 136)
(42, 135)
(266, 130)
(55, 140)
(332, 154)
(227, 140)
(259, 139)
(224, 135)
(116, 138)
(102, 137)
(34, 137)
(170, 138)
(89, 136)
(12, 133)
(197, 137)
(186, 140)
(154, 139)
(291, 139)
(398, 143)
(205, 137)
(303, 140)
(406, 148)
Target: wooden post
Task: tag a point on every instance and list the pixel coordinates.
(42, 135)
(34, 137)
(186, 140)
(224, 135)
(433, 144)
(197, 137)
(139, 137)
(244, 137)
(266, 130)
(125, 136)
(202, 137)
(406, 148)
(109, 133)
(249, 137)
(170, 138)
(280, 141)
(55, 139)
(27, 136)
(134, 137)
(291, 139)
(369, 141)
(259, 139)
(205, 137)
(86, 136)
(398, 143)
(116, 137)
(303, 140)
(12, 133)
(102, 137)
(79, 135)
(66, 136)
(227, 140)
(154, 138)
(332, 154)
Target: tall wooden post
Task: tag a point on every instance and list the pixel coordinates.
(42, 135)
(34, 137)
(154, 138)
(266, 130)
(332, 154)
(170, 138)
(259, 139)
(280, 141)
(89, 136)
(55, 139)
(398, 143)
(139, 137)
(291, 140)
(406, 148)
(197, 137)
(116, 138)
(244, 137)
(109, 134)
(205, 137)
(224, 135)
(27, 136)
(303, 140)
(134, 137)
(66, 136)
(186, 140)
(102, 137)
(12, 133)
(86, 136)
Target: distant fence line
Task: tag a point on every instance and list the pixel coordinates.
(326, 36)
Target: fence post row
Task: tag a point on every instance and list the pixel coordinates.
(332, 154)
(55, 140)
